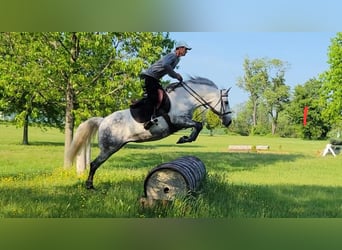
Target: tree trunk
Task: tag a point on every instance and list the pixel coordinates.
(69, 123)
(70, 100)
(274, 122)
(274, 127)
(25, 130)
(255, 109)
(254, 113)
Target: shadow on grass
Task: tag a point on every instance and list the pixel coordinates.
(156, 146)
(109, 200)
(127, 146)
(215, 199)
(46, 143)
(212, 160)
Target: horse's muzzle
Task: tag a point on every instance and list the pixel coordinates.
(226, 121)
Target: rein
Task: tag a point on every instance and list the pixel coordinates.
(207, 105)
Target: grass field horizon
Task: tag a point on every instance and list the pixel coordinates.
(290, 180)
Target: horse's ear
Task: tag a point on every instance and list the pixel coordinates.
(228, 90)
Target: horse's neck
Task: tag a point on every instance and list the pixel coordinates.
(207, 93)
(194, 93)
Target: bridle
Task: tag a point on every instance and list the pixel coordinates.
(223, 94)
(207, 105)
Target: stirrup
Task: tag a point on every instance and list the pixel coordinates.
(150, 123)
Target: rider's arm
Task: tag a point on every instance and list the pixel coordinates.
(169, 62)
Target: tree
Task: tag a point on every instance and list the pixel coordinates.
(264, 120)
(207, 117)
(242, 122)
(254, 82)
(276, 93)
(22, 81)
(285, 126)
(317, 125)
(212, 121)
(104, 69)
(264, 80)
(199, 115)
(86, 73)
(331, 92)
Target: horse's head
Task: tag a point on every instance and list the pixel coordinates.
(225, 113)
(206, 93)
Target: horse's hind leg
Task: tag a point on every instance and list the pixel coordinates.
(94, 165)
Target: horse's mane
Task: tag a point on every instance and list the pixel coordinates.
(202, 80)
(194, 80)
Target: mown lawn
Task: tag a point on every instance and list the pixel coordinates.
(289, 180)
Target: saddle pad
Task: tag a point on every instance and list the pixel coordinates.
(143, 109)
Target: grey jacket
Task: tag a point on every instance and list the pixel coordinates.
(163, 66)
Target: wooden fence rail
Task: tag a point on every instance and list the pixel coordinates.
(248, 148)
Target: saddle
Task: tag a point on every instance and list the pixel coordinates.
(143, 109)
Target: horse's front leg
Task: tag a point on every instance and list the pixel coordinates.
(197, 127)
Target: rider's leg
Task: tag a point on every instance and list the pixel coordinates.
(152, 87)
(160, 98)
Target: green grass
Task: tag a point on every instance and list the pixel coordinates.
(290, 180)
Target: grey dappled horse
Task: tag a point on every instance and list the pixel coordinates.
(119, 128)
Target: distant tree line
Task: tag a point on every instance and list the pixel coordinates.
(273, 109)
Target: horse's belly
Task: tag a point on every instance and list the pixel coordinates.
(160, 128)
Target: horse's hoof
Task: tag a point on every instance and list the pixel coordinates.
(89, 186)
(183, 139)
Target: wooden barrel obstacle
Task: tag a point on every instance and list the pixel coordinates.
(176, 178)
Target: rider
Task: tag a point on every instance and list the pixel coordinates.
(156, 71)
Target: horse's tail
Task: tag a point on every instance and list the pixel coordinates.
(81, 143)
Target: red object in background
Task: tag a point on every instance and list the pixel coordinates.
(306, 109)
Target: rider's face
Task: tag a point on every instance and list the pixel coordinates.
(183, 51)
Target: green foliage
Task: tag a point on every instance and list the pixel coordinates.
(264, 80)
(255, 79)
(263, 126)
(212, 121)
(242, 122)
(254, 82)
(24, 89)
(102, 69)
(58, 78)
(199, 115)
(331, 93)
(285, 127)
(308, 95)
(276, 94)
(208, 118)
